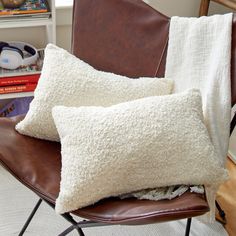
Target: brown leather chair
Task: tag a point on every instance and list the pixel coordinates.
(126, 37)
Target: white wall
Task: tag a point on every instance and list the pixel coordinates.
(64, 21)
(184, 7)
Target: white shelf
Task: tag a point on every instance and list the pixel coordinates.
(50, 28)
(16, 95)
(26, 23)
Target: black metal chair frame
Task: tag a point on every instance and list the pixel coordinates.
(78, 225)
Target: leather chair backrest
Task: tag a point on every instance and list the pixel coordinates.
(126, 37)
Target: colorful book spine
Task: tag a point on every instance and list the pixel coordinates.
(16, 107)
(6, 13)
(18, 88)
(29, 7)
(16, 80)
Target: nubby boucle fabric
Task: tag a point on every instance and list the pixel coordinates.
(146, 143)
(68, 81)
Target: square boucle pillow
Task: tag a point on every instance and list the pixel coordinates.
(68, 81)
(147, 143)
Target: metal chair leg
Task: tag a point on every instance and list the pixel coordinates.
(71, 228)
(67, 231)
(80, 232)
(30, 217)
(233, 124)
(69, 218)
(221, 212)
(187, 231)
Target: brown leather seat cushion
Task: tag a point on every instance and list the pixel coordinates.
(37, 163)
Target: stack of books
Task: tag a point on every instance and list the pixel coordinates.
(30, 10)
(23, 79)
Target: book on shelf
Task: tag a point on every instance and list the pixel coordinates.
(18, 88)
(17, 106)
(25, 17)
(17, 80)
(29, 7)
(25, 70)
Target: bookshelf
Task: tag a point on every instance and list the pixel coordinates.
(49, 25)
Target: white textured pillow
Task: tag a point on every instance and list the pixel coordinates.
(68, 81)
(146, 143)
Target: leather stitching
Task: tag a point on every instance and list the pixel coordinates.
(162, 55)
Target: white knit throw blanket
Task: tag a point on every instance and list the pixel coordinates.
(198, 56)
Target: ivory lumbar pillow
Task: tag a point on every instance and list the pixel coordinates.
(146, 143)
(68, 81)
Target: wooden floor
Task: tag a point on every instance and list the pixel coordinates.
(227, 199)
